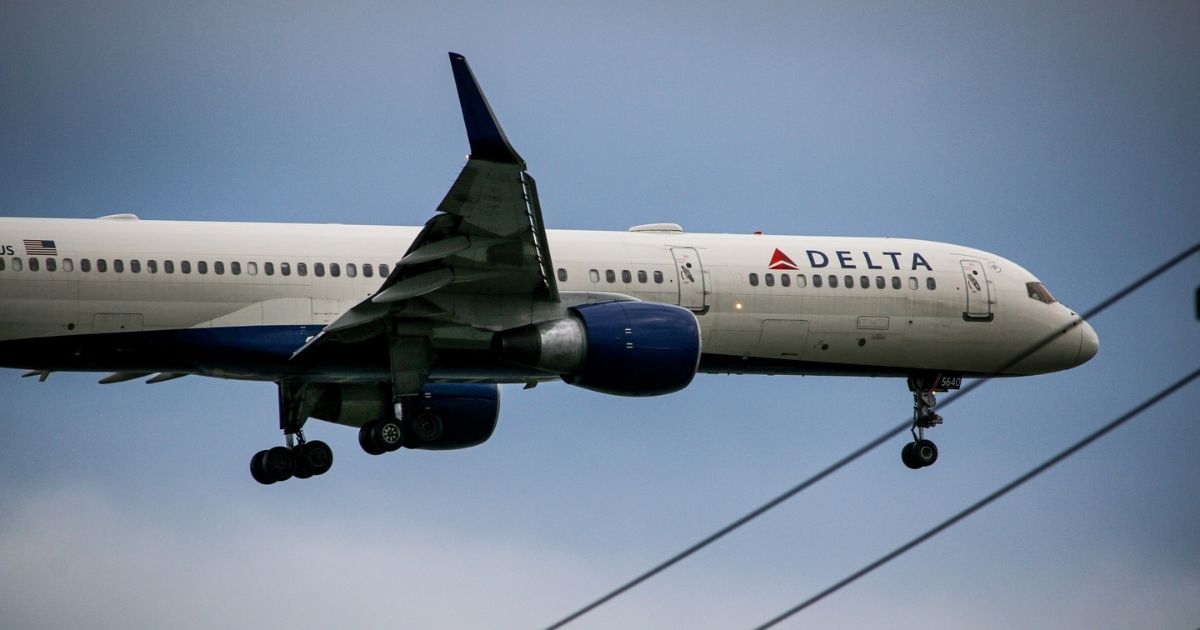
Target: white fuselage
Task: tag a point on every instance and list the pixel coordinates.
(830, 305)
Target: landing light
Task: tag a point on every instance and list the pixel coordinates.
(738, 306)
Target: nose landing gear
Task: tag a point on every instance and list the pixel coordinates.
(922, 452)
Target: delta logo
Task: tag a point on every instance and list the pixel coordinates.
(780, 260)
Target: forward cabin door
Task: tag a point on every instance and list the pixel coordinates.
(690, 276)
(979, 292)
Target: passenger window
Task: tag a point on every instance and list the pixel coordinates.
(219, 268)
(1, 264)
(16, 264)
(301, 269)
(642, 277)
(169, 266)
(833, 281)
(351, 270)
(368, 270)
(816, 281)
(68, 264)
(185, 266)
(252, 268)
(101, 265)
(658, 277)
(235, 268)
(801, 280)
(562, 274)
(912, 283)
(152, 266)
(202, 266)
(594, 275)
(626, 277)
(849, 282)
(770, 278)
(335, 269)
(864, 282)
(753, 279)
(51, 264)
(85, 265)
(785, 280)
(383, 270)
(119, 265)
(880, 283)
(285, 269)
(930, 283)
(33, 264)
(269, 268)
(610, 275)
(135, 266)
(895, 282)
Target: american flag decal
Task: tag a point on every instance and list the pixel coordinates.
(34, 247)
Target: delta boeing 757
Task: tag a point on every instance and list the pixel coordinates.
(406, 332)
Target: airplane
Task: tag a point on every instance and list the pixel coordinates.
(410, 348)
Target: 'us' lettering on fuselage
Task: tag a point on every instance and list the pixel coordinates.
(6, 250)
(846, 259)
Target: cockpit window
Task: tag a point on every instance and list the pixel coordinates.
(1039, 292)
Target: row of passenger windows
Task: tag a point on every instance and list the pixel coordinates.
(218, 267)
(847, 281)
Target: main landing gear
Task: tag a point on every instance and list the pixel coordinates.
(922, 452)
(299, 458)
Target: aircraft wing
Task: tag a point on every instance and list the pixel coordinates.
(480, 264)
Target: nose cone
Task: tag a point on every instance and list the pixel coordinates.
(1089, 343)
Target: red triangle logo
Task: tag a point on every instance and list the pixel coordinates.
(780, 260)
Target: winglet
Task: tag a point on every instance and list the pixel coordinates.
(488, 141)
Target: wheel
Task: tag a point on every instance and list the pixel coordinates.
(924, 452)
(258, 471)
(365, 441)
(278, 463)
(301, 470)
(314, 457)
(427, 427)
(906, 456)
(387, 434)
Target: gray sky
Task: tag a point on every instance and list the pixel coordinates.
(1062, 136)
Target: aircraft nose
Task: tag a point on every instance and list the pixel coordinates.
(1089, 343)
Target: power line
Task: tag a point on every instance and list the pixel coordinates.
(975, 507)
(873, 444)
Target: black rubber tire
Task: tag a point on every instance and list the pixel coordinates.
(257, 471)
(426, 428)
(924, 452)
(315, 457)
(906, 456)
(366, 442)
(278, 463)
(388, 435)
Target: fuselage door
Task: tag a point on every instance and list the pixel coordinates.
(979, 292)
(691, 278)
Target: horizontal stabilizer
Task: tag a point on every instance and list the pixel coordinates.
(488, 141)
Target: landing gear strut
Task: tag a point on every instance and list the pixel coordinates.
(922, 452)
(299, 458)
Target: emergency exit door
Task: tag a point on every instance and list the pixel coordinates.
(690, 276)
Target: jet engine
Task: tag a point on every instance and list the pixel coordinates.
(623, 348)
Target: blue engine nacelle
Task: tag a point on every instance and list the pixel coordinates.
(624, 348)
(447, 416)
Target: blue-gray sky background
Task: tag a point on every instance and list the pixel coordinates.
(1064, 136)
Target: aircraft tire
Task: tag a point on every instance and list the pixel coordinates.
(365, 440)
(924, 453)
(279, 463)
(314, 458)
(906, 456)
(258, 471)
(388, 435)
